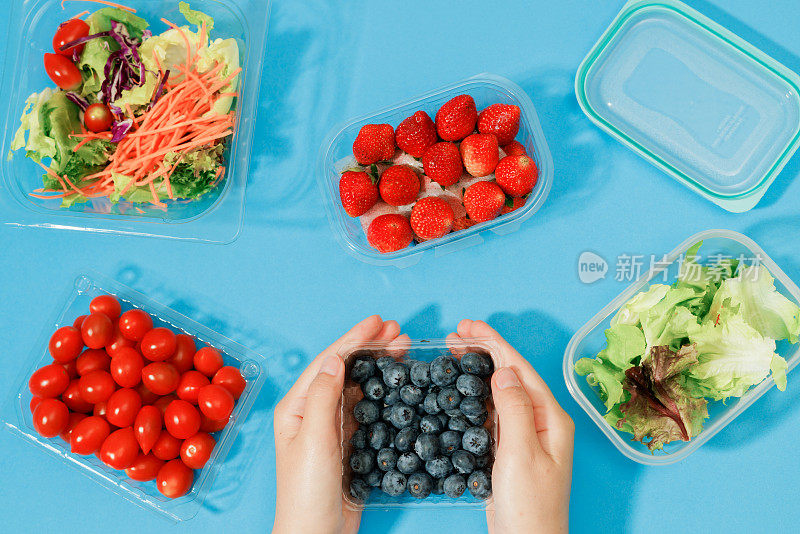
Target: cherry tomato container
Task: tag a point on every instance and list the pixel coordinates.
(486, 89)
(251, 364)
(419, 350)
(216, 217)
(590, 340)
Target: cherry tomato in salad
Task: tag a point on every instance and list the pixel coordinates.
(98, 118)
(134, 324)
(190, 385)
(163, 402)
(72, 420)
(65, 344)
(50, 417)
(145, 467)
(88, 435)
(100, 409)
(34, 403)
(71, 367)
(72, 398)
(212, 425)
(62, 71)
(215, 402)
(159, 344)
(231, 379)
(196, 450)
(126, 367)
(122, 407)
(174, 479)
(78, 322)
(107, 305)
(68, 32)
(97, 386)
(92, 360)
(119, 449)
(97, 331)
(118, 341)
(208, 361)
(183, 359)
(160, 377)
(148, 397)
(181, 419)
(48, 381)
(147, 427)
(166, 446)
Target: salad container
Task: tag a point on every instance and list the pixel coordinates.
(252, 366)
(590, 339)
(697, 101)
(421, 350)
(486, 89)
(216, 217)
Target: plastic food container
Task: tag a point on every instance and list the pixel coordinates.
(700, 103)
(421, 350)
(217, 216)
(589, 340)
(252, 366)
(486, 89)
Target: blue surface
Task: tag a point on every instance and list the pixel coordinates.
(285, 288)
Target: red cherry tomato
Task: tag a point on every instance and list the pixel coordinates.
(134, 324)
(97, 386)
(34, 403)
(215, 401)
(97, 331)
(190, 385)
(183, 359)
(212, 425)
(174, 479)
(72, 398)
(147, 427)
(88, 435)
(72, 420)
(71, 367)
(107, 305)
(92, 360)
(50, 417)
(163, 402)
(120, 449)
(67, 32)
(196, 450)
(159, 344)
(65, 344)
(126, 367)
(98, 118)
(166, 446)
(181, 419)
(145, 467)
(160, 377)
(122, 407)
(148, 397)
(208, 361)
(62, 71)
(118, 342)
(78, 322)
(49, 381)
(100, 409)
(231, 379)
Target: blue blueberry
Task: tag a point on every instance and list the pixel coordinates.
(408, 463)
(443, 418)
(373, 478)
(480, 485)
(411, 394)
(430, 424)
(374, 388)
(386, 414)
(463, 461)
(404, 441)
(455, 412)
(477, 440)
(481, 462)
(359, 439)
(402, 415)
(472, 406)
(366, 411)
(471, 386)
(420, 485)
(392, 396)
(438, 486)
(420, 409)
(386, 459)
(363, 368)
(362, 462)
(439, 467)
(458, 422)
(427, 446)
(444, 370)
(454, 486)
(478, 420)
(360, 490)
(395, 375)
(450, 441)
(430, 404)
(449, 398)
(384, 362)
(378, 435)
(392, 435)
(394, 483)
(420, 373)
(477, 364)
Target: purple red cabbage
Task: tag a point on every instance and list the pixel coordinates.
(124, 68)
(120, 129)
(84, 39)
(78, 100)
(159, 90)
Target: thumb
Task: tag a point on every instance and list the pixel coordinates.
(515, 410)
(323, 398)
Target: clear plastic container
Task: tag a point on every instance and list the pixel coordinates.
(486, 89)
(422, 350)
(694, 99)
(590, 339)
(252, 366)
(217, 216)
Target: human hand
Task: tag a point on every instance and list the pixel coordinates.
(532, 471)
(308, 441)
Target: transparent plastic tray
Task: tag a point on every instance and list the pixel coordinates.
(590, 339)
(252, 366)
(217, 216)
(694, 99)
(422, 350)
(486, 89)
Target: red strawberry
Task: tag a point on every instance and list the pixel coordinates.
(390, 232)
(515, 148)
(415, 134)
(399, 185)
(480, 153)
(462, 223)
(516, 175)
(501, 120)
(516, 203)
(358, 192)
(431, 217)
(484, 201)
(456, 118)
(442, 163)
(374, 143)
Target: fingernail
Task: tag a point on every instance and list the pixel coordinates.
(506, 378)
(330, 366)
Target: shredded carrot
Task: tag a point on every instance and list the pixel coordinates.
(79, 15)
(106, 3)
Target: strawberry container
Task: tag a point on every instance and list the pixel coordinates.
(486, 89)
(590, 339)
(252, 366)
(216, 217)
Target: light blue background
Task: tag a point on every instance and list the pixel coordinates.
(287, 289)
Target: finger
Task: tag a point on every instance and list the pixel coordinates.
(464, 328)
(515, 410)
(389, 331)
(322, 401)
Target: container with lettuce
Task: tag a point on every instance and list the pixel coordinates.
(171, 96)
(673, 349)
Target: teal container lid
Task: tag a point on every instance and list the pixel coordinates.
(694, 99)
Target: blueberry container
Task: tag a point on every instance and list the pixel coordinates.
(697, 101)
(414, 350)
(215, 217)
(590, 339)
(252, 366)
(486, 89)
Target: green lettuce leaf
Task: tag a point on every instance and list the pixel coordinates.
(631, 311)
(607, 378)
(624, 343)
(195, 17)
(703, 279)
(656, 319)
(39, 144)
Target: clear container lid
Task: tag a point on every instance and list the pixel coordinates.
(697, 101)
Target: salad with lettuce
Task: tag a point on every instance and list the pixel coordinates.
(672, 349)
(135, 115)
